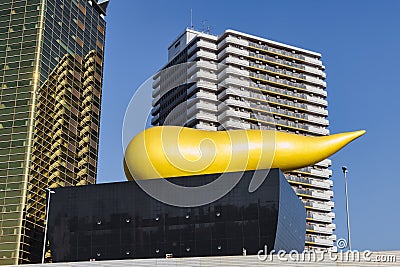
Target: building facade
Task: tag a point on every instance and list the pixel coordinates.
(241, 81)
(51, 68)
(121, 221)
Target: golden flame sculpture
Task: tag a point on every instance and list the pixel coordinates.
(173, 151)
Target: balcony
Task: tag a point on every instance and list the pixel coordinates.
(325, 163)
(233, 102)
(282, 62)
(233, 83)
(233, 50)
(234, 60)
(200, 65)
(203, 116)
(313, 61)
(203, 54)
(324, 173)
(316, 90)
(194, 107)
(234, 124)
(319, 205)
(230, 71)
(206, 95)
(233, 40)
(278, 81)
(317, 194)
(318, 130)
(317, 240)
(202, 126)
(318, 120)
(320, 217)
(315, 71)
(233, 113)
(233, 92)
(278, 122)
(319, 229)
(82, 172)
(278, 91)
(277, 51)
(327, 184)
(82, 162)
(199, 76)
(279, 112)
(317, 100)
(205, 85)
(278, 100)
(83, 151)
(208, 45)
(289, 74)
(317, 81)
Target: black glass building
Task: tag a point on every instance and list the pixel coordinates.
(120, 221)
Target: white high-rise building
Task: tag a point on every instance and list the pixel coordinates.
(241, 81)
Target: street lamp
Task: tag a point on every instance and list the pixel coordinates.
(344, 168)
(47, 219)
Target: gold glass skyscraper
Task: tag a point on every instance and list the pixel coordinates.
(51, 69)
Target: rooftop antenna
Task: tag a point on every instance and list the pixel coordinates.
(203, 25)
(191, 19)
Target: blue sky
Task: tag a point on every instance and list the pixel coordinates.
(360, 43)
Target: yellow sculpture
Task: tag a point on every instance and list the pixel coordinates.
(172, 151)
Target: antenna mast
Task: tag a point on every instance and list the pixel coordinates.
(191, 19)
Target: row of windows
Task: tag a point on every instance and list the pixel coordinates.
(10, 172)
(15, 22)
(9, 230)
(12, 183)
(64, 30)
(48, 103)
(73, 46)
(17, 40)
(18, 46)
(9, 216)
(63, 12)
(18, 3)
(10, 36)
(7, 84)
(48, 63)
(67, 7)
(19, 35)
(45, 114)
(12, 53)
(64, 24)
(9, 77)
(14, 123)
(68, 156)
(14, 97)
(12, 158)
(5, 111)
(6, 15)
(19, 92)
(18, 58)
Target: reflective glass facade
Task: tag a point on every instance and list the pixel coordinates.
(51, 67)
(120, 221)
